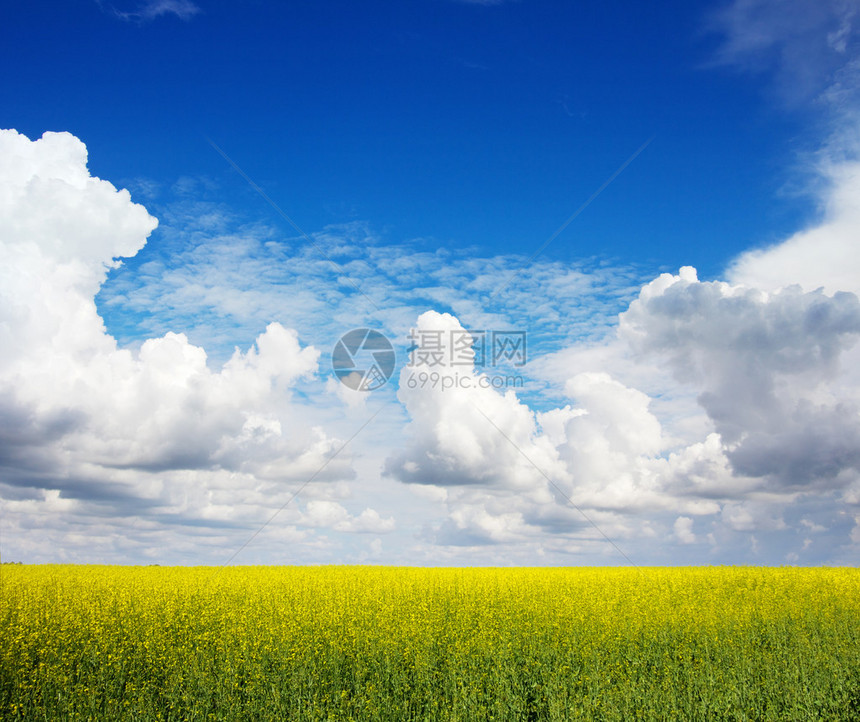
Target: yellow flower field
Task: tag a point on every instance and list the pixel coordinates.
(381, 643)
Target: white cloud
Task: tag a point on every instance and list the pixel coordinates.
(330, 514)
(767, 369)
(812, 526)
(813, 47)
(156, 432)
(610, 441)
(224, 279)
(466, 433)
(755, 516)
(824, 256)
(764, 366)
(507, 474)
(684, 530)
(722, 409)
(159, 430)
(855, 532)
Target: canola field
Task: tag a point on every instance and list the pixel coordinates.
(374, 643)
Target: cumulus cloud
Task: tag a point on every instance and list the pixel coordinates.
(721, 410)
(610, 441)
(800, 433)
(453, 439)
(766, 366)
(684, 530)
(155, 431)
(749, 516)
(330, 514)
(507, 474)
(480, 444)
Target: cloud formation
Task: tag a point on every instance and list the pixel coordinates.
(766, 366)
(722, 411)
(509, 474)
(108, 430)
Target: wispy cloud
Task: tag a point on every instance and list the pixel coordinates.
(810, 46)
(220, 279)
(151, 9)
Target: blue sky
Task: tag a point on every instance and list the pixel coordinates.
(465, 124)
(427, 150)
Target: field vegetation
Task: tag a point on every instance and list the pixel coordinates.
(376, 643)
